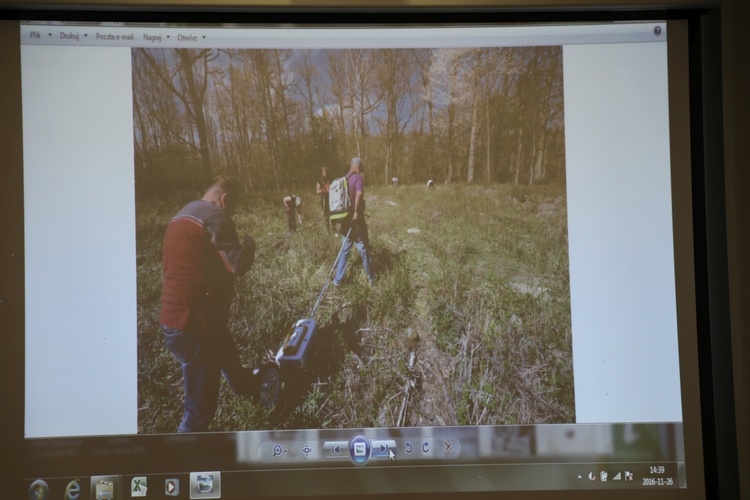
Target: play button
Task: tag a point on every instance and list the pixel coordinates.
(172, 487)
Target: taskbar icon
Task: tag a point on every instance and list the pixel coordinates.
(105, 487)
(172, 487)
(138, 486)
(205, 485)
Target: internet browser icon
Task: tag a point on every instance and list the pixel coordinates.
(73, 490)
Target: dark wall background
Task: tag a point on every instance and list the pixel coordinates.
(735, 16)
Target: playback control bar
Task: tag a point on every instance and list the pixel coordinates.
(360, 450)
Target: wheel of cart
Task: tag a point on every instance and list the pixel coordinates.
(269, 389)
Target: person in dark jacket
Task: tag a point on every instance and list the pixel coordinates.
(292, 206)
(321, 188)
(201, 257)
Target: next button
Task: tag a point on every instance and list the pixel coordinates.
(383, 448)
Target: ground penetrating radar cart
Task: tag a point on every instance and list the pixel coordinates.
(296, 350)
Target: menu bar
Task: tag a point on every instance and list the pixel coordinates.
(336, 37)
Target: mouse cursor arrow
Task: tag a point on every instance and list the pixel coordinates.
(391, 455)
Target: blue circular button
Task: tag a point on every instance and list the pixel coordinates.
(360, 449)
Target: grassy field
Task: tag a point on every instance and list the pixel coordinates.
(468, 323)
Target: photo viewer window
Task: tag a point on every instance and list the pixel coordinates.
(524, 213)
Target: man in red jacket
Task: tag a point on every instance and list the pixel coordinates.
(202, 254)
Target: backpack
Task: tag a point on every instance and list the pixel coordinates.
(338, 198)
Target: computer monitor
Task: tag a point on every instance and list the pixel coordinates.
(526, 321)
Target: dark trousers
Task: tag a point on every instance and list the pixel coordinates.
(326, 210)
(204, 358)
(291, 220)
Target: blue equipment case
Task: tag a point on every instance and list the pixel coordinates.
(296, 351)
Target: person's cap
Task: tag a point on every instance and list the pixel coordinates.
(356, 160)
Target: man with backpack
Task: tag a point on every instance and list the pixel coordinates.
(356, 221)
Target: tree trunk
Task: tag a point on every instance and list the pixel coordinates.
(473, 138)
(488, 150)
(519, 156)
(199, 116)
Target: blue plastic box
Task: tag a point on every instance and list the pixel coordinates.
(297, 348)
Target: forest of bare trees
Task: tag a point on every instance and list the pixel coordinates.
(272, 118)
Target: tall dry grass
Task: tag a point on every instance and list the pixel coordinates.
(468, 323)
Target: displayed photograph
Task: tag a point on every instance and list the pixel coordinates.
(351, 238)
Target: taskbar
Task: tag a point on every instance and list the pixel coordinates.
(322, 462)
(375, 480)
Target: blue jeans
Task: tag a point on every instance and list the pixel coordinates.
(204, 358)
(360, 238)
